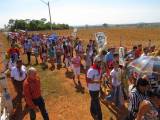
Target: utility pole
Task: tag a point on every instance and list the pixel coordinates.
(47, 3)
(50, 15)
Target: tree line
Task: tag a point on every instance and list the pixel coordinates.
(34, 25)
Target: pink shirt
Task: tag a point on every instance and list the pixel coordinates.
(76, 61)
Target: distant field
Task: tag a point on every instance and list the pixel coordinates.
(130, 36)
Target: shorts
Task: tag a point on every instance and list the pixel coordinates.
(76, 70)
(67, 62)
(36, 54)
(44, 55)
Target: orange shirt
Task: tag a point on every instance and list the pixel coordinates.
(31, 91)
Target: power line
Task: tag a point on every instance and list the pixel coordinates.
(44, 2)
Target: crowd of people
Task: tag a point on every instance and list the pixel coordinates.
(101, 67)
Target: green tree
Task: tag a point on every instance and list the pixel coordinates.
(33, 25)
(105, 25)
(43, 20)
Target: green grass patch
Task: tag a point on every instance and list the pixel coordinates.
(51, 83)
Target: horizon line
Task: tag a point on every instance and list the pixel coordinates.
(99, 24)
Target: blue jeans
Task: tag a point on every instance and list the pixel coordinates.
(95, 107)
(115, 95)
(40, 103)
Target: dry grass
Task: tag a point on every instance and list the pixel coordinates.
(130, 36)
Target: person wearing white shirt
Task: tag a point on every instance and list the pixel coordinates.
(11, 64)
(116, 94)
(94, 80)
(18, 75)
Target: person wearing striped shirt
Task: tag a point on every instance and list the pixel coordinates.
(137, 95)
(32, 94)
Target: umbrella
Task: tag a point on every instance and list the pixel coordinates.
(35, 38)
(53, 38)
(146, 64)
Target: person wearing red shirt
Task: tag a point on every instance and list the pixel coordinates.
(13, 52)
(33, 96)
(138, 52)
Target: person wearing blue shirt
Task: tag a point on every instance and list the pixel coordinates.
(109, 56)
(29, 49)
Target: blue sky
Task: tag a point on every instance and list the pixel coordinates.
(81, 12)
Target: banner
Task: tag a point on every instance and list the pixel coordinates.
(101, 40)
(75, 30)
(74, 33)
(121, 56)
